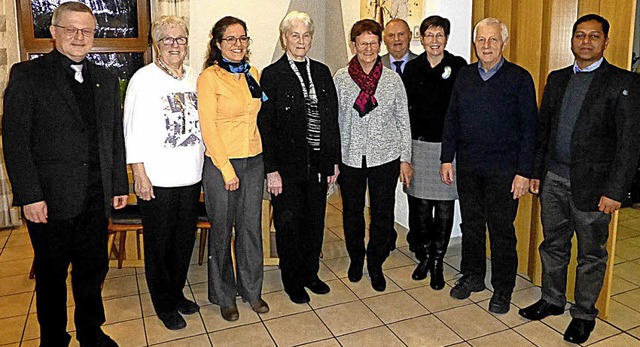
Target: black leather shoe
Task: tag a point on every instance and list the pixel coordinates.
(465, 286)
(259, 306)
(421, 271)
(579, 330)
(540, 310)
(103, 340)
(230, 313)
(355, 271)
(298, 295)
(172, 320)
(500, 302)
(317, 286)
(437, 275)
(186, 306)
(378, 282)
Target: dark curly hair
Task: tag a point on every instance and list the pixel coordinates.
(214, 55)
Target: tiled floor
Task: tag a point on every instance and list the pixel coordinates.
(408, 313)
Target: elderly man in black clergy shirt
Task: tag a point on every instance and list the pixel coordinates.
(490, 130)
(587, 156)
(64, 151)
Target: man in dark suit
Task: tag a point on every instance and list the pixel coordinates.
(64, 152)
(397, 36)
(588, 149)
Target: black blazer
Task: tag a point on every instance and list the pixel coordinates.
(46, 145)
(283, 122)
(605, 145)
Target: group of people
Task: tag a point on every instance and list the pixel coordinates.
(446, 129)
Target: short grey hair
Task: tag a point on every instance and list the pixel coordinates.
(71, 6)
(287, 23)
(165, 21)
(504, 32)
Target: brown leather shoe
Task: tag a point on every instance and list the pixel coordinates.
(259, 306)
(230, 313)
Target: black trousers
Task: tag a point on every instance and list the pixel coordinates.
(430, 224)
(169, 223)
(487, 201)
(382, 181)
(298, 215)
(560, 218)
(82, 242)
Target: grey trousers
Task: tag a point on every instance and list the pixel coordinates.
(239, 210)
(560, 218)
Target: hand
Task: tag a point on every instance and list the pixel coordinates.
(232, 184)
(406, 172)
(274, 183)
(332, 179)
(534, 186)
(519, 186)
(119, 201)
(142, 187)
(446, 173)
(36, 212)
(608, 205)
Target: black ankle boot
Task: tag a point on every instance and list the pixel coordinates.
(437, 276)
(421, 271)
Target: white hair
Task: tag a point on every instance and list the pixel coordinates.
(287, 23)
(504, 32)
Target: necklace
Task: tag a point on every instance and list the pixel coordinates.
(169, 72)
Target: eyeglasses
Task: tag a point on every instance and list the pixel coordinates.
(231, 40)
(169, 41)
(437, 36)
(364, 45)
(72, 31)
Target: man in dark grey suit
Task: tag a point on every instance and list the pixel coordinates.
(397, 36)
(587, 156)
(64, 151)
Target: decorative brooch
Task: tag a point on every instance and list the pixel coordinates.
(447, 72)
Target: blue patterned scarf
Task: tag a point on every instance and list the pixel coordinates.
(244, 68)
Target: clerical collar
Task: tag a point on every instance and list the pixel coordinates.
(589, 68)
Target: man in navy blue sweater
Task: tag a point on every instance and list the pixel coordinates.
(490, 130)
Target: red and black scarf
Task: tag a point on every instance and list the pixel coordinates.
(365, 102)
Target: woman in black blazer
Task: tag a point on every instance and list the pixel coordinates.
(301, 147)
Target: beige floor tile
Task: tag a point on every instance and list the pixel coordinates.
(630, 298)
(15, 267)
(4, 236)
(632, 240)
(128, 333)
(437, 300)
(338, 266)
(15, 305)
(330, 236)
(622, 316)
(405, 250)
(333, 210)
(213, 320)
(348, 317)
(197, 274)
(280, 305)
(157, 332)
(381, 336)
(147, 305)
(628, 271)
(18, 240)
(338, 231)
(526, 297)
(142, 283)
(541, 334)
(397, 259)
(506, 337)
(332, 220)
(12, 329)
(522, 283)
(395, 306)
(631, 223)
(453, 261)
(247, 335)
(332, 342)
(271, 282)
(201, 294)
(425, 331)
(325, 274)
(627, 250)
(125, 271)
(402, 277)
(626, 232)
(635, 332)
(16, 284)
(119, 287)
(194, 341)
(511, 318)
(335, 249)
(15, 253)
(309, 328)
(339, 294)
(122, 309)
(484, 322)
(364, 290)
(620, 285)
(621, 340)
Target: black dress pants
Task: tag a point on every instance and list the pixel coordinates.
(82, 242)
(487, 201)
(382, 181)
(298, 215)
(169, 222)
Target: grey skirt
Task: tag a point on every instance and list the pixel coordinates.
(426, 182)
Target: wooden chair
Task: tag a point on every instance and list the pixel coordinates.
(122, 221)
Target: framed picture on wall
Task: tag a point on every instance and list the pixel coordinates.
(122, 25)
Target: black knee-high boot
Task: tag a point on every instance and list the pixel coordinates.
(420, 220)
(440, 234)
